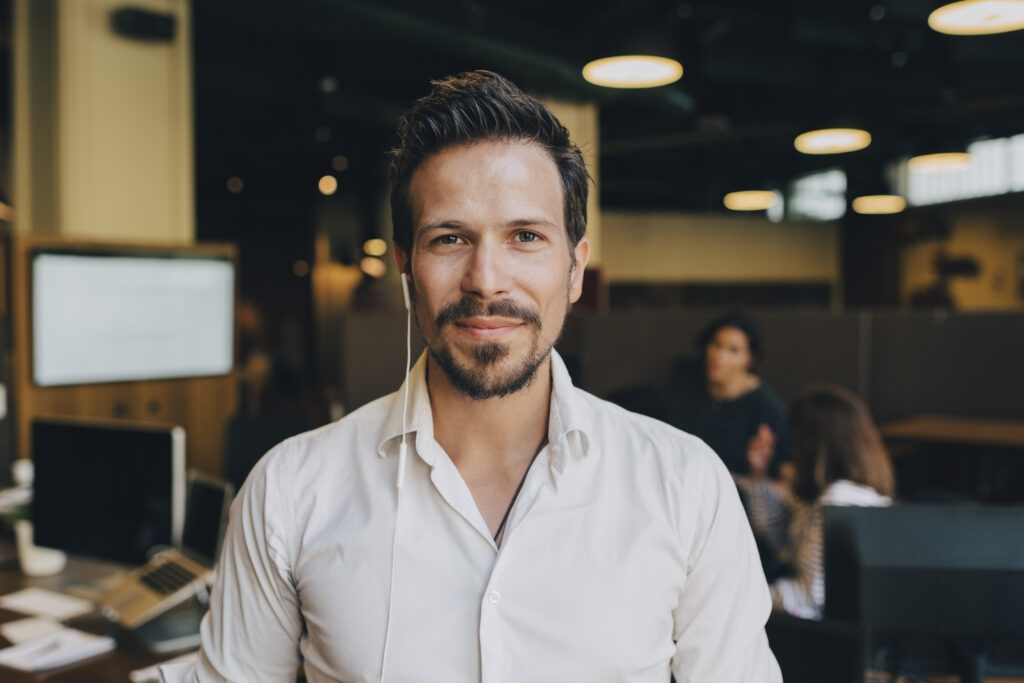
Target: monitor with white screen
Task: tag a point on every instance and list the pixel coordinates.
(107, 489)
(119, 315)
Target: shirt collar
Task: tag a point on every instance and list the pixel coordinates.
(568, 419)
(420, 418)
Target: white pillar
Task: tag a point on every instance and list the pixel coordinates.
(103, 141)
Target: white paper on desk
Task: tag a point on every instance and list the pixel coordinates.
(26, 629)
(65, 646)
(44, 603)
(151, 674)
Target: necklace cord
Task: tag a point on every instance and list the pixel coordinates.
(515, 496)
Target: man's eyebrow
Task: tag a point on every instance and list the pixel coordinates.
(523, 222)
(437, 225)
(455, 224)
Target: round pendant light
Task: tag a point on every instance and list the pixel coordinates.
(875, 204)
(750, 200)
(978, 17)
(832, 141)
(633, 71)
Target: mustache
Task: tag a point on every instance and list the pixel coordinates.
(468, 307)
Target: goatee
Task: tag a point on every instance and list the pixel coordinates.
(477, 382)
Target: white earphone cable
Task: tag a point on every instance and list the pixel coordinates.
(403, 448)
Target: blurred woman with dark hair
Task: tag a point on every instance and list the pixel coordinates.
(839, 460)
(728, 405)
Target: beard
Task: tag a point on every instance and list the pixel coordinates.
(484, 379)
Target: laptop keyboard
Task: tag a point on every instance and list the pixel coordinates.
(168, 577)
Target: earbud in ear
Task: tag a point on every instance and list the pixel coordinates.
(405, 291)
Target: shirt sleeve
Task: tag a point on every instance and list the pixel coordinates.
(803, 595)
(775, 415)
(252, 630)
(724, 604)
(768, 512)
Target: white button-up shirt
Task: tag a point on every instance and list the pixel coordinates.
(627, 555)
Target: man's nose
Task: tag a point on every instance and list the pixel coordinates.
(488, 272)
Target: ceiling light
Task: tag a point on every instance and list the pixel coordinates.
(978, 17)
(373, 267)
(939, 163)
(375, 247)
(832, 141)
(750, 200)
(633, 71)
(879, 204)
(327, 184)
(328, 84)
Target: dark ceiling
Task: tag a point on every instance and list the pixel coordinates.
(756, 75)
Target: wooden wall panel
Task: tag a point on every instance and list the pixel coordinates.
(201, 405)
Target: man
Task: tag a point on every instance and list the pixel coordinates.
(536, 532)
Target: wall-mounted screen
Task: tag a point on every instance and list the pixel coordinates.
(118, 316)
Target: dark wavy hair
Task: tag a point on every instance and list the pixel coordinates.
(834, 438)
(479, 106)
(742, 322)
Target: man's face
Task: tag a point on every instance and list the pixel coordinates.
(491, 269)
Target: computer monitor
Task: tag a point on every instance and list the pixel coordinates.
(931, 571)
(206, 515)
(118, 314)
(106, 489)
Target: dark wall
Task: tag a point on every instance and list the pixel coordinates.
(871, 250)
(372, 352)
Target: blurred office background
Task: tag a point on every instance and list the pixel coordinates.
(255, 133)
(264, 126)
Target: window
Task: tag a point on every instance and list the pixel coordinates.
(997, 167)
(818, 197)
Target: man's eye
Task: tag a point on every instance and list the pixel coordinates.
(527, 236)
(448, 239)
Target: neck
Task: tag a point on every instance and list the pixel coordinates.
(734, 387)
(495, 433)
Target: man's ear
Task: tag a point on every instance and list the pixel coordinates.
(401, 259)
(581, 252)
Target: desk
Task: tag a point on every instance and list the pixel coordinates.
(944, 457)
(948, 429)
(110, 667)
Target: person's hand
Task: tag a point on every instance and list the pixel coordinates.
(760, 451)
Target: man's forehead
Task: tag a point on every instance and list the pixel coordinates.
(518, 178)
(493, 149)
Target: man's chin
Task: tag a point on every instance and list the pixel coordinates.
(486, 378)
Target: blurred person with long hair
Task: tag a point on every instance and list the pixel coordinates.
(839, 459)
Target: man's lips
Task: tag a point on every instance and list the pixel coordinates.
(487, 327)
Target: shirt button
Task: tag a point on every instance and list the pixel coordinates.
(494, 597)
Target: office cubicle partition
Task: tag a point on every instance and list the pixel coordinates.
(968, 364)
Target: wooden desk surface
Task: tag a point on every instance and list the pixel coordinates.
(111, 667)
(961, 430)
